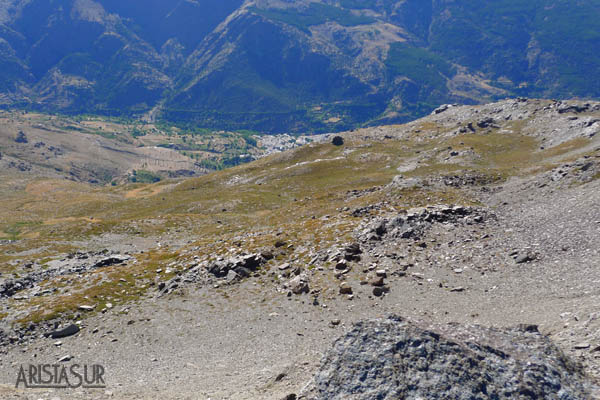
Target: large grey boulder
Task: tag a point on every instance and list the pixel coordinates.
(396, 359)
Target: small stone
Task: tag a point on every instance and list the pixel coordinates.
(529, 328)
(58, 344)
(299, 284)
(109, 305)
(353, 248)
(380, 291)
(582, 346)
(458, 289)
(524, 258)
(86, 308)
(231, 276)
(284, 266)
(336, 322)
(267, 255)
(342, 265)
(68, 331)
(382, 273)
(338, 141)
(458, 270)
(373, 237)
(280, 377)
(65, 358)
(376, 281)
(345, 288)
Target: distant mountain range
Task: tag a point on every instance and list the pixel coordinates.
(292, 66)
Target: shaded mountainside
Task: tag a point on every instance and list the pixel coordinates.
(108, 57)
(278, 66)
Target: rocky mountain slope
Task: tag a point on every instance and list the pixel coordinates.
(281, 66)
(234, 284)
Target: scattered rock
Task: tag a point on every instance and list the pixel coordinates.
(573, 108)
(242, 265)
(380, 290)
(299, 284)
(231, 276)
(528, 328)
(345, 288)
(442, 108)
(280, 377)
(486, 123)
(375, 280)
(112, 260)
(284, 266)
(525, 257)
(353, 249)
(341, 265)
(65, 332)
(337, 141)
(21, 138)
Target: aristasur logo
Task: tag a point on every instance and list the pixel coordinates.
(55, 376)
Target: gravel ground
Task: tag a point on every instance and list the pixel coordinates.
(206, 345)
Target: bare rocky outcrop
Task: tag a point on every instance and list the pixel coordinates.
(415, 221)
(396, 359)
(76, 263)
